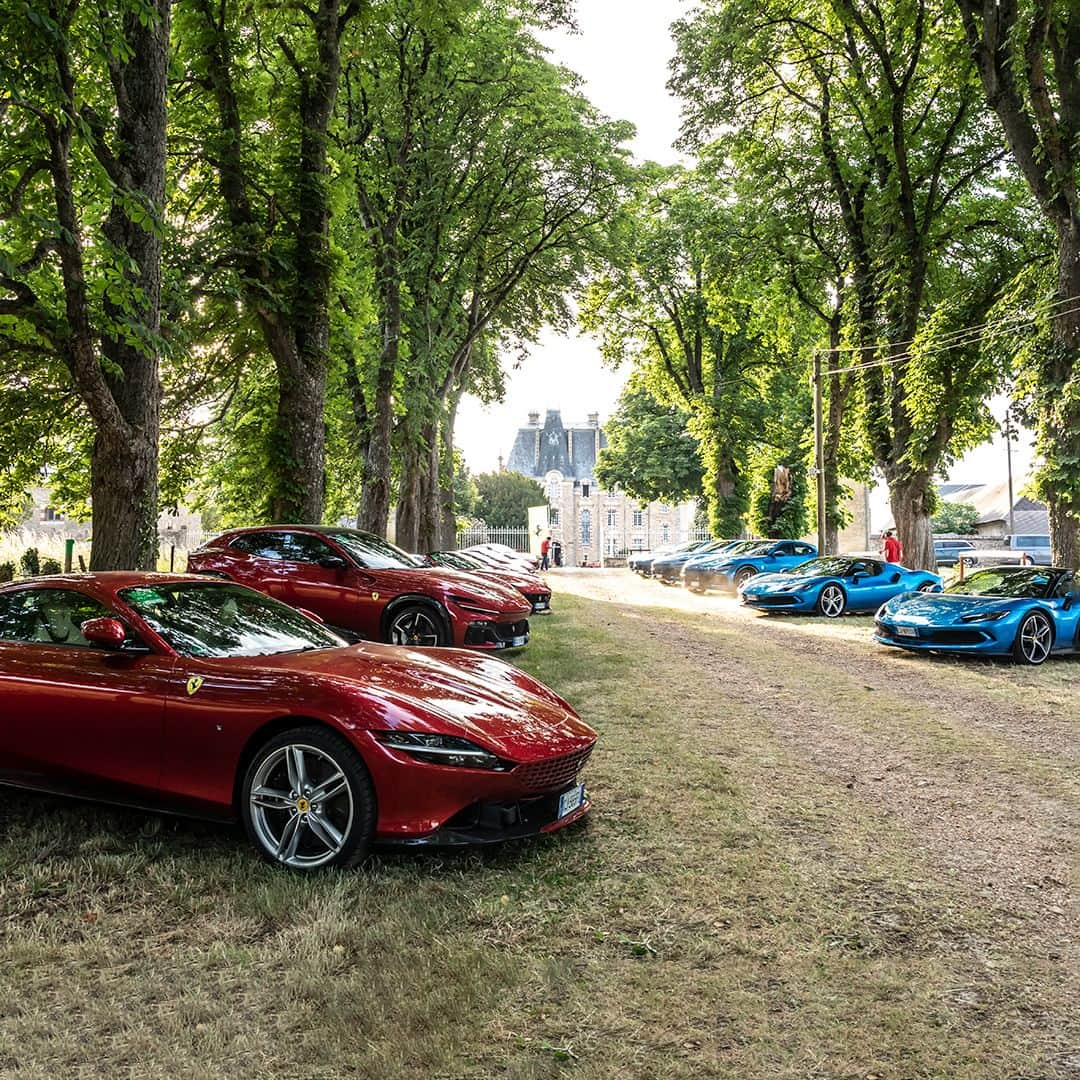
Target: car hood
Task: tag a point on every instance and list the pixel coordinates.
(521, 582)
(770, 582)
(933, 609)
(449, 691)
(485, 590)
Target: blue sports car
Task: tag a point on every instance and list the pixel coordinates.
(667, 568)
(734, 568)
(835, 584)
(1028, 612)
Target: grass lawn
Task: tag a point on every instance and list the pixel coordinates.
(799, 864)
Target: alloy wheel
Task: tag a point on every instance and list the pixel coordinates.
(300, 804)
(1034, 639)
(414, 626)
(831, 602)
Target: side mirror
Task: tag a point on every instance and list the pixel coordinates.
(104, 633)
(333, 562)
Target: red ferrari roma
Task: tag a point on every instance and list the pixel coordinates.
(200, 696)
(364, 585)
(529, 585)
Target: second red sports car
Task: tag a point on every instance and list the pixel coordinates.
(536, 591)
(204, 697)
(365, 585)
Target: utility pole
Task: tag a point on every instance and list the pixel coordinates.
(1008, 459)
(819, 455)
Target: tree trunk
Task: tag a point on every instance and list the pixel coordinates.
(124, 460)
(911, 497)
(375, 503)
(409, 497)
(1061, 407)
(299, 435)
(447, 515)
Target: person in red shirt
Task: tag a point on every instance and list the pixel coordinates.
(891, 547)
(545, 548)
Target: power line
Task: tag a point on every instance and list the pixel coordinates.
(957, 340)
(1044, 307)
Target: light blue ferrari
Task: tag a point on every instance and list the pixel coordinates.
(835, 584)
(1027, 612)
(732, 568)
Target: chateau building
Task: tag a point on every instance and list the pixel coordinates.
(588, 520)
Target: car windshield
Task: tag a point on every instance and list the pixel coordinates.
(218, 619)
(827, 567)
(1003, 581)
(372, 551)
(456, 560)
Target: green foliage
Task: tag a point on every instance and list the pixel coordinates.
(466, 491)
(955, 517)
(650, 451)
(51, 566)
(503, 498)
(30, 563)
(7, 571)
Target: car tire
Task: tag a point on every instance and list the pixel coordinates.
(743, 575)
(832, 602)
(417, 626)
(929, 586)
(307, 802)
(1034, 639)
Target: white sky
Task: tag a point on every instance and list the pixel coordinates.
(622, 52)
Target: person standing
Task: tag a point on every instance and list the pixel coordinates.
(545, 548)
(891, 547)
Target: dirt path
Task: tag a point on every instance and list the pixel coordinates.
(976, 761)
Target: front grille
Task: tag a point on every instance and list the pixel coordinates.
(770, 601)
(954, 637)
(552, 773)
(539, 601)
(507, 631)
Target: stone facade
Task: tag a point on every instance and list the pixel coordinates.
(591, 523)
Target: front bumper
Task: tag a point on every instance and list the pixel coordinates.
(779, 601)
(541, 603)
(973, 638)
(497, 822)
(495, 636)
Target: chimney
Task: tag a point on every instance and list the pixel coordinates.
(534, 419)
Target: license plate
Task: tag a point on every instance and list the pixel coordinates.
(906, 631)
(517, 642)
(570, 800)
(540, 605)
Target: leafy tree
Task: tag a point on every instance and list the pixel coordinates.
(888, 101)
(955, 517)
(650, 451)
(82, 104)
(503, 498)
(1028, 57)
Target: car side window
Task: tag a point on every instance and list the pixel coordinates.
(48, 616)
(803, 549)
(261, 545)
(303, 547)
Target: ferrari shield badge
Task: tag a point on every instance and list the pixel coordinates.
(193, 684)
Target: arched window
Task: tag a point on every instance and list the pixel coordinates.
(586, 527)
(551, 482)
(665, 533)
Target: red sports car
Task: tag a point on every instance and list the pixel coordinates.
(362, 584)
(203, 697)
(529, 585)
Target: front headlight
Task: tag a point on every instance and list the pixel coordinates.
(796, 588)
(474, 606)
(984, 616)
(442, 750)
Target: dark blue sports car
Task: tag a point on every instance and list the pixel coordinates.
(668, 568)
(835, 584)
(1027, 612)
(733, 568)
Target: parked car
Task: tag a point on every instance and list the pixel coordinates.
(1022, 550)
(367, 586)
(641, 561)
(696, 573)
(834, 585)
(732, 569)
(668, 568)
(531, 587)
(202, 697)
(947, 552)
(501, 555)
(1028, 612)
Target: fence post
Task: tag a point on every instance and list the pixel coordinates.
(172, 557)
(69, 553)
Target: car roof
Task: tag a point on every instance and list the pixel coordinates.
(108, 579)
